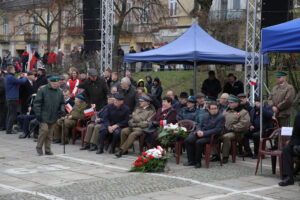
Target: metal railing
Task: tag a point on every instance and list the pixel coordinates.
(4, 39)
(227, 15)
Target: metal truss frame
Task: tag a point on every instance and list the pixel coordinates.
(106, 23)
(252, 59)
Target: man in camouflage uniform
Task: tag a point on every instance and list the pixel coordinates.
(48, 105)
(70, 120)
(140, 118)
(281, 99)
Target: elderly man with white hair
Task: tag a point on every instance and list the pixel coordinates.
(223, 102)
(131, 97)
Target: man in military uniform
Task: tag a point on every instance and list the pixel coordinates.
(140, 118)
(48, 105)
(237, 121)
(281, 99)
(70, 120)
(93, 129)
(116, 119)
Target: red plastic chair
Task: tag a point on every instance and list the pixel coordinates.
(80, 127)
(282, 141)
(208, 148)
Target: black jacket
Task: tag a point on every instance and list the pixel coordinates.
(156, 92)
(267, 118)
(2, 90)
(295, 139)
(236, 88)
(211, 87)
(131, 98)
(40, 81)
(247, 107)
(26, 92)
(116, 115)
(95, 92)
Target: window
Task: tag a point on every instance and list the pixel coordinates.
(145, 14)
(223, 4)
(5, 28)
(35, 25)
(46, 18)
(173, 7)
(21, 25)
(236, 4)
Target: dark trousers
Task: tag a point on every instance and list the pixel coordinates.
(24, 122)
(2, 115)
(12, 106)
(195, 146)
(256, 137)
(287, 159)
(24, 107)
(115, 138)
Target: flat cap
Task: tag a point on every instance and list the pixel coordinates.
(183, 95)
(119, 96)
(242, 95)
(92, 72)
(200, 95)
(81, 97)
(192, 99)
(145, 98)
(210, 99)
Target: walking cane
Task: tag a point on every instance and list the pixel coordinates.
(63, 133)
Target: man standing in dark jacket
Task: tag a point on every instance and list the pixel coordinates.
(233, 86)
(212, 123)
(117, 118)
(12, 96)
(2, 102)
(182, 101)
(95, 89)
(211, 86)
(149, 83)
(26, 92)
(48, 106)
(244, 102)
(131, 97)
(254, 131)
(41, 78)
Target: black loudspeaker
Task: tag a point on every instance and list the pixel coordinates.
(91, 24)
(275, 12)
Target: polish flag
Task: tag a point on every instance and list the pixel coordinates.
(89, 112)
(68, 108)
(253, 81)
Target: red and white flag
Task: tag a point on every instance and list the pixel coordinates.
(89, 112)
(93, 106)
(253, 81)
(68, 108)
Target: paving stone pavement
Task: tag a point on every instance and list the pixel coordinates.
(84, 175)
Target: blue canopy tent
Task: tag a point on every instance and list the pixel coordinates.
(195, 46)
(283, 37)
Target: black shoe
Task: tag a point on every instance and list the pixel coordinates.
(99, 151)
(86, 146)
(35, 140)
(119, 154)
(198, 165)
(125, 153)
(93, 147)
(246, 154)
(111, 150)
(24, 135)
(214, 158)
(57, 141)
(39, 151)
(225, 160)
(189, 164)
(49, 153)
(11, 132)
(287, 181)
(64, 143)
(2, 129)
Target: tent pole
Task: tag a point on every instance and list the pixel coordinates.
(261, 83)
(195, 77)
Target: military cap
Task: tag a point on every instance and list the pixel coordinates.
(192, 99)
(233, 98)
(62, 77)
(279, 74)
(242, 95)
(183, 95)
(210, 99)
(200, 95)
(119, 96)
(92, 72)
(81, 71)
(30, 74)
(81, 97)
(53, 78)
(109, 96)
(145, 98)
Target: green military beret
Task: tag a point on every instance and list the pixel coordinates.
(81, 97)
(192, 99)
(233, 98)
(279, 74)
(54, 79)
(210, 99)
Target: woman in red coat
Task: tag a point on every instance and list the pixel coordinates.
(73, 83)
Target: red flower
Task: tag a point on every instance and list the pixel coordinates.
(145, 160)
(163, 152)
(144, 154)
(136, 164)
(151, 157)
(140, 164)
(139, 158)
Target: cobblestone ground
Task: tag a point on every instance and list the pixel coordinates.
(83, 175)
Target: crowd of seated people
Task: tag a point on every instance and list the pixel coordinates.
(126, 109)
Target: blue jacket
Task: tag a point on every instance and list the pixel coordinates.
(116, 115)
(186, 113)
(103, 114)
(200, 115)
(12, 86)
(267, 118)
